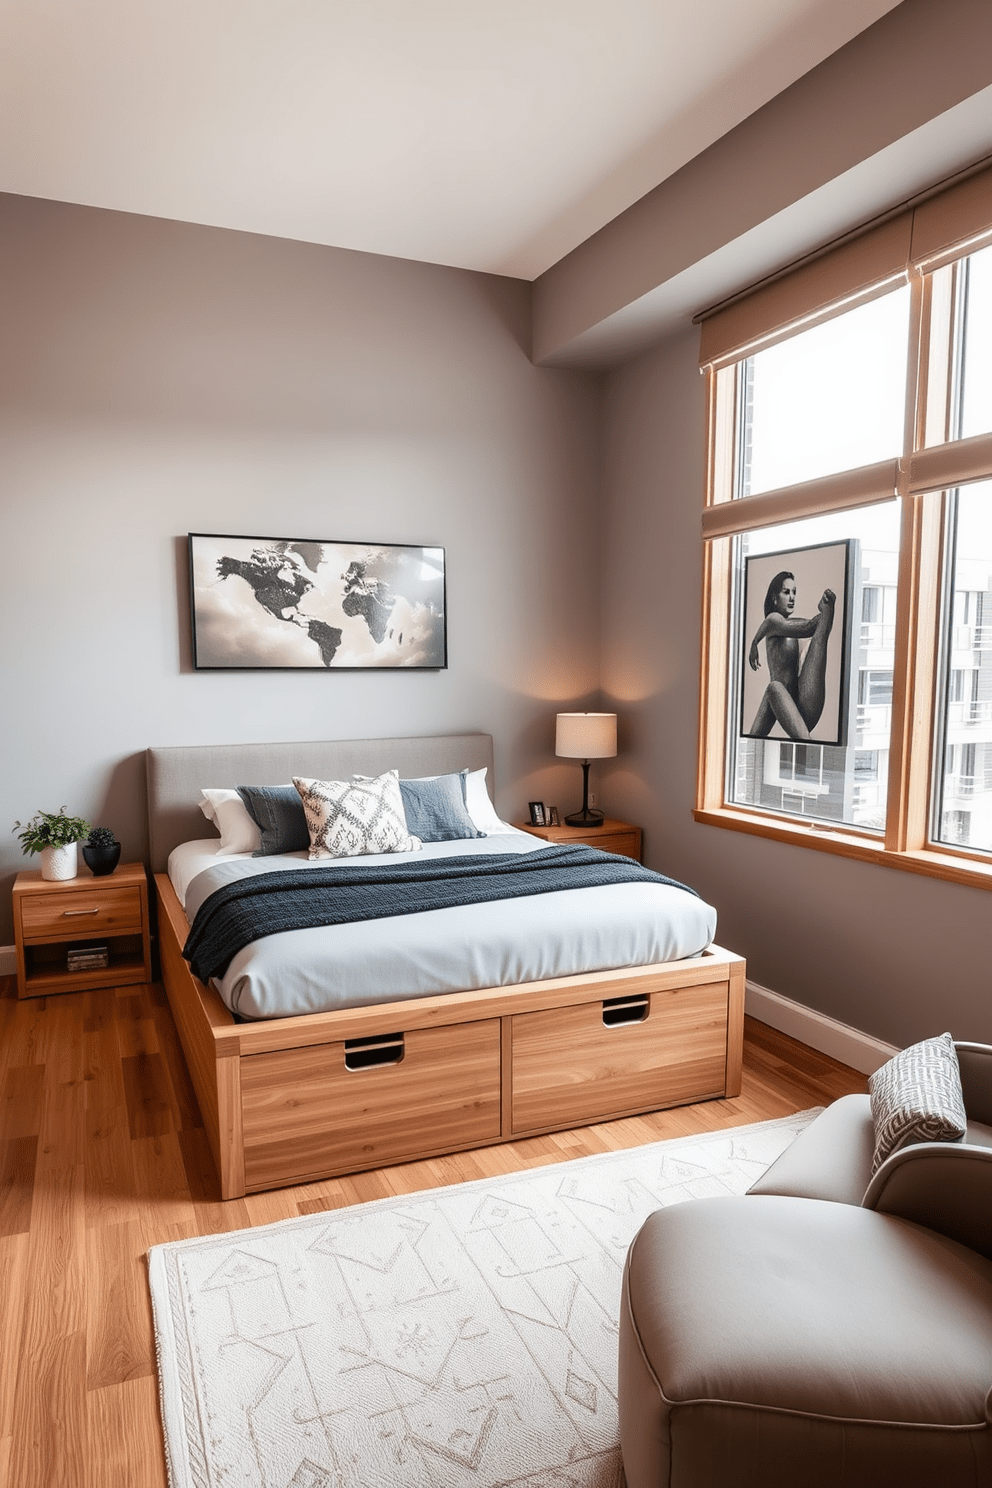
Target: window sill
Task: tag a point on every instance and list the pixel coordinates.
(847, 844)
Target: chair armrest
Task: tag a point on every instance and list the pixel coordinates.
(944, 1186)
(975, 1062)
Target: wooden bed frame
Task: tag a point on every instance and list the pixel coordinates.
(292, 1100)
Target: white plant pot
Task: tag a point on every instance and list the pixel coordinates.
(59, 862)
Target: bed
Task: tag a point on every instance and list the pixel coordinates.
(292, 1099)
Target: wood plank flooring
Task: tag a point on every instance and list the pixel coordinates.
(102, 1155)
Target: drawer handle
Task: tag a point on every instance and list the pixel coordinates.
(369, 1053)
(620, 1011)
(69, 913)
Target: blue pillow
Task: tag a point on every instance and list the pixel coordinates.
(278, 813)
(435, 809)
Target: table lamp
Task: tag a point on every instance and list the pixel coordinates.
(586, 736)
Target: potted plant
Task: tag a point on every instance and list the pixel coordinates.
(101, 851)
(54, 835)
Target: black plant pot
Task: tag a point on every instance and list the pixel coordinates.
(101, 860)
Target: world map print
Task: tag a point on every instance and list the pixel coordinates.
(302, 603)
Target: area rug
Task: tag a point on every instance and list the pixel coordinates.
(465, 1335)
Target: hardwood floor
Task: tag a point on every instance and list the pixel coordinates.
(102, 1155)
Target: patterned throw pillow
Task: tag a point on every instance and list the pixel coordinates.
(916, 1097)
(347, 818)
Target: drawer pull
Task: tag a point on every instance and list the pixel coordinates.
(619, 1011)
(68, 914)
(369, 1053)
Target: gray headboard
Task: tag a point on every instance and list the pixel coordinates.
(177, 775)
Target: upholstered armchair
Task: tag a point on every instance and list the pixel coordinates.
(946, 1186)
(830, 1329)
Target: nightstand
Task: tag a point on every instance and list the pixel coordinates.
(51, 916)
(613, 836)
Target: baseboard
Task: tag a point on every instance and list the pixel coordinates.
(852, 1047)
(8, 960)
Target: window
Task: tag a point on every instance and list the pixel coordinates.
(965, 730)
(847, 678)
(975, 333)
(855, 367)
(874, 689)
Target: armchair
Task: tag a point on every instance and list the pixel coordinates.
(830, 1328)
(946, 1186)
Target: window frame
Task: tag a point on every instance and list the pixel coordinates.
(932, 463)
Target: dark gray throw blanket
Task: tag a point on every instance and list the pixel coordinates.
(238, 913)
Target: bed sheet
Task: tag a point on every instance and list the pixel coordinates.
(448, 950)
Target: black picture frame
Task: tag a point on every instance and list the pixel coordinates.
(315, 604)
(779, 706)
(537, 818)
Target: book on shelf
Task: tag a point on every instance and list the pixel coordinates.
(88, 958)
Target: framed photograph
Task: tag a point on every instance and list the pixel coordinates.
(796, 639)
(288, 603)
(537, 814)
(553, 820)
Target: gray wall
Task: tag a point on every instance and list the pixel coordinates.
(894, 954)
(158, 378)
(912, 66)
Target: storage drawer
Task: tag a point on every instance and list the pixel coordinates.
(80, 914)
(335, 1108)
(574, 1065)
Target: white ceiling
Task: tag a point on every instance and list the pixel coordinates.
(487, 134)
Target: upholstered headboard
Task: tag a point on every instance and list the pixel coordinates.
(177, 775)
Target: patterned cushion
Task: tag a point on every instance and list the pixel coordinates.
(916, 1097)
(347, 818)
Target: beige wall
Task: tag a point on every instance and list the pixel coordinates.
(159, 378)
(896, 955)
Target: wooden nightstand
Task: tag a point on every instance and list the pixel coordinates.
(49, 917)
(613, 836)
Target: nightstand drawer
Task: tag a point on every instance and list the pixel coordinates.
(80, 914)
(627, 844)
(613, 836)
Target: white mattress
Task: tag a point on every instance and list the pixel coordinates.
(445, 950)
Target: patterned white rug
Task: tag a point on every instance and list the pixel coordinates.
(465, 1335)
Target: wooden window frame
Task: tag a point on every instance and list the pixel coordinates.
(931, 464)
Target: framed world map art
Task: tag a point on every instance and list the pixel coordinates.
(304, 603)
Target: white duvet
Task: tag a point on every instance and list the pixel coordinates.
(445, 950)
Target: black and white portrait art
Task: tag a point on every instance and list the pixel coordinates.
(261, 602)
(796, 644)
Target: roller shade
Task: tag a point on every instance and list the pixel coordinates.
(957, 216)
(948, 223)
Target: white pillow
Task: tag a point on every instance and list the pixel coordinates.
(227, 811)
(480, 808)
(350, 818)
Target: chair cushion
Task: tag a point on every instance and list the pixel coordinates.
(768, 1310)
(804, 1305)
(831, 1159)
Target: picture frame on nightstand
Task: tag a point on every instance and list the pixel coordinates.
(553, 819)
(537, 816)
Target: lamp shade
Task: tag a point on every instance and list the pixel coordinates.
(586, 735)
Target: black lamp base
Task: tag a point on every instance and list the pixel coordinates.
(588, 816)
